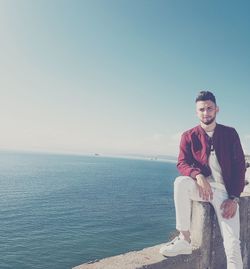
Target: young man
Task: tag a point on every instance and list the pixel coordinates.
(212, 164)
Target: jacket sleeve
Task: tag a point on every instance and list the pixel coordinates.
(238, 165)
(185, 164)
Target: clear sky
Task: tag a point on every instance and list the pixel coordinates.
(119, 77)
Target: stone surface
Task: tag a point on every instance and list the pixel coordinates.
(148, 258)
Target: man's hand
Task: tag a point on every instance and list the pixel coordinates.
(229, 208)
(204, 188)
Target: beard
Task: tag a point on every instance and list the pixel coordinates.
(208, 122)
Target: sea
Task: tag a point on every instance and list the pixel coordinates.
(58, 211)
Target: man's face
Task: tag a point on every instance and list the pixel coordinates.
(206, 111)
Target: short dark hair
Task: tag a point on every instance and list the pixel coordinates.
(205, 96)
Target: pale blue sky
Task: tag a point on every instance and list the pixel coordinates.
(119, 77)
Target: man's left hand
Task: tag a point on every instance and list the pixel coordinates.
(229, 208)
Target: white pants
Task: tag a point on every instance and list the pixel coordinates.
(185, 190)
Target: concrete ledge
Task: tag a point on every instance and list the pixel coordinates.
(147, 258)
(208, 250)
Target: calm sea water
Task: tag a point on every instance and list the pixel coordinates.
(59, 211)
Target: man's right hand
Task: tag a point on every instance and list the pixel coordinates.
(204, 188)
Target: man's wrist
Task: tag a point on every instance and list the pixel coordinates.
(234, 198)
(199, 176)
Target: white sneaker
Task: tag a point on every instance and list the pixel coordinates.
(176, 247)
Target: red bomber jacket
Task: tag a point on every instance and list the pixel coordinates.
(194, 152)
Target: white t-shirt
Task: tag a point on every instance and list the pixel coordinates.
(216, 179)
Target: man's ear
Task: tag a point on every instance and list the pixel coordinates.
(217, 109)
